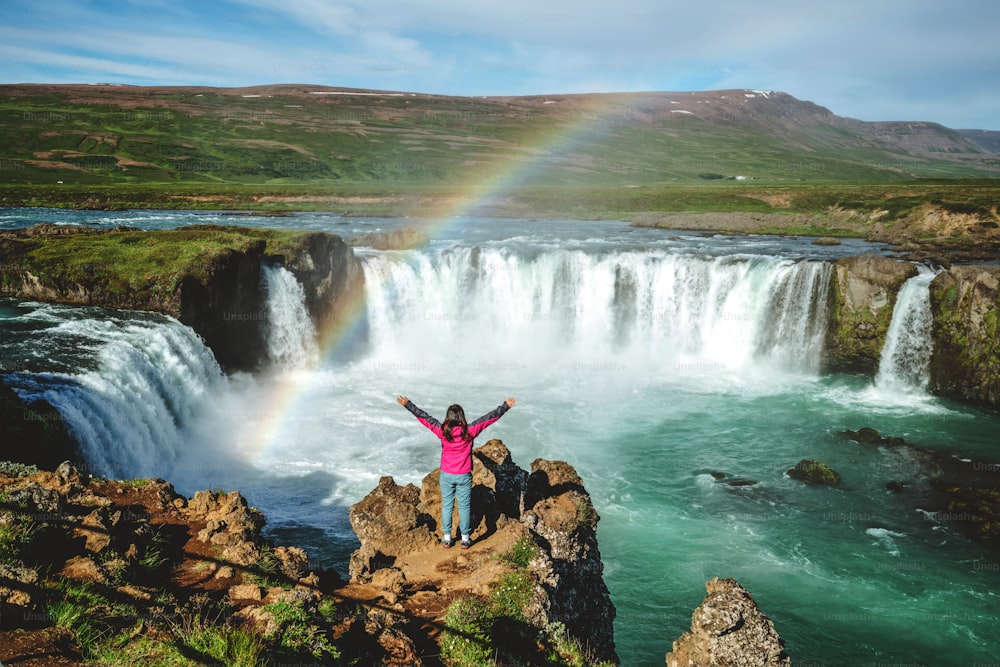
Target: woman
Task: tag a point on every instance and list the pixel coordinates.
(456, 436)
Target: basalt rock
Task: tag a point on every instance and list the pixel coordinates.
(330, 274)
(230, 524)
(965, 362)
(219, 292)
(32, 433)
(563, 522)
(389, 523)
(728, 629)
(870, 436)
(862, 296)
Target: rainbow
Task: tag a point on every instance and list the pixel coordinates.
(339, 333)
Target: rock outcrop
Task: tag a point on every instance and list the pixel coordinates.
(208, 277)
(107, 553)
(965, 363)
(965, 303)
(400, 555)
(728, 629)
(32, 433)
(951, 492)
(330, 274)
(863, 294)
(815, 472)
(138, 549)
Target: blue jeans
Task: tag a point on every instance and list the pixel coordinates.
(452, 487)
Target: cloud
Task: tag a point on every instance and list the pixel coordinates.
(872, 60)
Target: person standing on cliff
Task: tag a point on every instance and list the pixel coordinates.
(456, 436)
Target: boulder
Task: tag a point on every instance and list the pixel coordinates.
(292, 561)
(389, 523)
(229, 523)
(871, 436)
(816, 472)
(17, 586)
(728, 629)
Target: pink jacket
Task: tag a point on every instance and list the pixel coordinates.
(456, 455)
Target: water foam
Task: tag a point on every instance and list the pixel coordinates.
(149, 377)
(904, 365)
(627, 311)
(291, 336)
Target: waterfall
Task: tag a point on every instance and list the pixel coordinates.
(145, 378)
(656, 308)
(291, 337)
(904, 364)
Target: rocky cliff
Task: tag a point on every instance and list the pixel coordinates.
(208, 277)
(862, 296)
(965, 363)
(133, 570)
(965, 303)
(533, 571)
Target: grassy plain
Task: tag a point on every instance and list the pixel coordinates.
(740, 160)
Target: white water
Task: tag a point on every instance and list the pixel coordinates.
(651, 311)
(904, 365)
(291, 337)
(149, 379)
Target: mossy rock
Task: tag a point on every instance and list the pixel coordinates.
(816, 472)
(865, 435)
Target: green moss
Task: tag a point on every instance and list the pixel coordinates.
(816, 472)
(136, 265)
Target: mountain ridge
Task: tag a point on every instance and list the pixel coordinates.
(105, 133)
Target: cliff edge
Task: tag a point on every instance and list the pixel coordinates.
(208, 277)
(530, 586)
(130, 572)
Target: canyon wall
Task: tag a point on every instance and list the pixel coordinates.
(965, 364)
(862, 296)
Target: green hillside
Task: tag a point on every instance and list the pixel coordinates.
(296, 135)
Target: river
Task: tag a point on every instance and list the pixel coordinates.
(653, 361)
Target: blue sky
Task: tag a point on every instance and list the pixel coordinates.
(873, 59)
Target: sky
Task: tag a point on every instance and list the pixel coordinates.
(921, 60)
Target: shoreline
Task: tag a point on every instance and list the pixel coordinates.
(927, 229)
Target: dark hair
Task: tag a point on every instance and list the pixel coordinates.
(455, 417)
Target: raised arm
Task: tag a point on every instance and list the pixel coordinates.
(478, 426)
(422, 417)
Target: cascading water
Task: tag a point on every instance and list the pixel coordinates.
(291, 337)
(148, 375)
(904, 364)
(673, 310)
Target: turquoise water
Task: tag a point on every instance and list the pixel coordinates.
(850, 576)
(646, 395)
